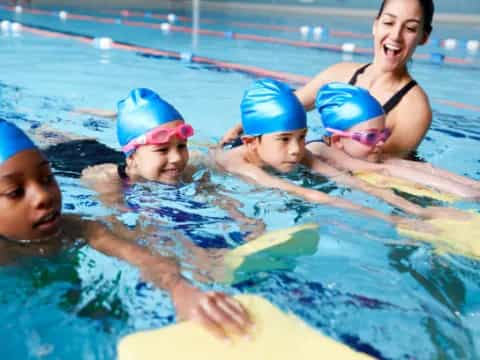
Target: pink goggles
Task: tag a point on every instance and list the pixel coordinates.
(369, 137)
(160, 135)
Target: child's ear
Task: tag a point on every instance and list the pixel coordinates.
(249, 140)
(130, 161)
(335, 141)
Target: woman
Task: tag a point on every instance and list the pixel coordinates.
(400, 26)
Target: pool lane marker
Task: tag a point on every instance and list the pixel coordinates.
(175, 55)
(348, 48)
(448, 43)
(247, 69)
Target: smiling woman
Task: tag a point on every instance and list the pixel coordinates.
(400, 26)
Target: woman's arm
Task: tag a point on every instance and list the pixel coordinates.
(409, 122)
(216, 311)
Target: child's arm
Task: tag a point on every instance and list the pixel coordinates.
(216, 311)
(438, 179)
(340, 160)
(434, 171)
(387, 195)
(97, 112)
(105, 181)
(259, 176)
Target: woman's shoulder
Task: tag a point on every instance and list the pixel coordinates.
(416, 100)
(342, 71)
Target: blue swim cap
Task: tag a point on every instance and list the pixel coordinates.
(342, 106)
(271, 106)
(143, 110)
(12, 141)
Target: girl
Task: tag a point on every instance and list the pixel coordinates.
(31, 224)
(356, 133)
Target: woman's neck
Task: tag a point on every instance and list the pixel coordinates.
(376, 76)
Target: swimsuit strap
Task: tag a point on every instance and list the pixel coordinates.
(122, 174)
(397, 97)
(359, 71)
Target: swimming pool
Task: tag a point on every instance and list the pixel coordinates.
(365, 286)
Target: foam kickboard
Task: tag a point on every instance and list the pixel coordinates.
(275, 250)
(453, 236)
(276, 336)
(384, 181)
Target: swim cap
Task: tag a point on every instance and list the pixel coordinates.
(143, 110)
(12, 141)
(342, 106)
(270, 106)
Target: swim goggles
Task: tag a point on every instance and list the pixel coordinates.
(160, 135)
(369, 137)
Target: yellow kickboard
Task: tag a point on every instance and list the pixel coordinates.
(453, 236)
(274, 250)
(276, 336)
(384, 181)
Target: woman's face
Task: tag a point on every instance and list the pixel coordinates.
(358, 150)
(30, 200)
(164, 163)
(397, 32)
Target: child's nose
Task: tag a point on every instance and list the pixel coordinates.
(41, 197)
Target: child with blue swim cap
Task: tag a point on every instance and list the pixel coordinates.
(31, 224)
(355, 133)
(153, 136)
(275, 127)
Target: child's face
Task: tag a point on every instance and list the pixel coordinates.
(30, 199)
(282, 151)
(359, 150)
(163, 163)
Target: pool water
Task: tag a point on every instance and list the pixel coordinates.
(367, 286)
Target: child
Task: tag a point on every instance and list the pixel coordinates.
(274, 124)
(355, 124)
(31, 224)
(153, 136)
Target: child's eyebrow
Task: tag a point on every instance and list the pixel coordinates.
(15, 174)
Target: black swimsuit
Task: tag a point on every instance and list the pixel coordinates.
(395, 99)
(390, 104)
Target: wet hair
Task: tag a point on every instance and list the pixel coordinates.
(428, 10)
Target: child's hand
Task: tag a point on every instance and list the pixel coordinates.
(217, 312)
(232, 134)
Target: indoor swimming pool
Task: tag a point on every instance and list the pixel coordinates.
(366, 285)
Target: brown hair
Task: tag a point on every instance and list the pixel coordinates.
(428, 10)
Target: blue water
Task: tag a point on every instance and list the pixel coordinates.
(365, 286)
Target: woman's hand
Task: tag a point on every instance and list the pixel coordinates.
(232, 134)
(217, 312)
